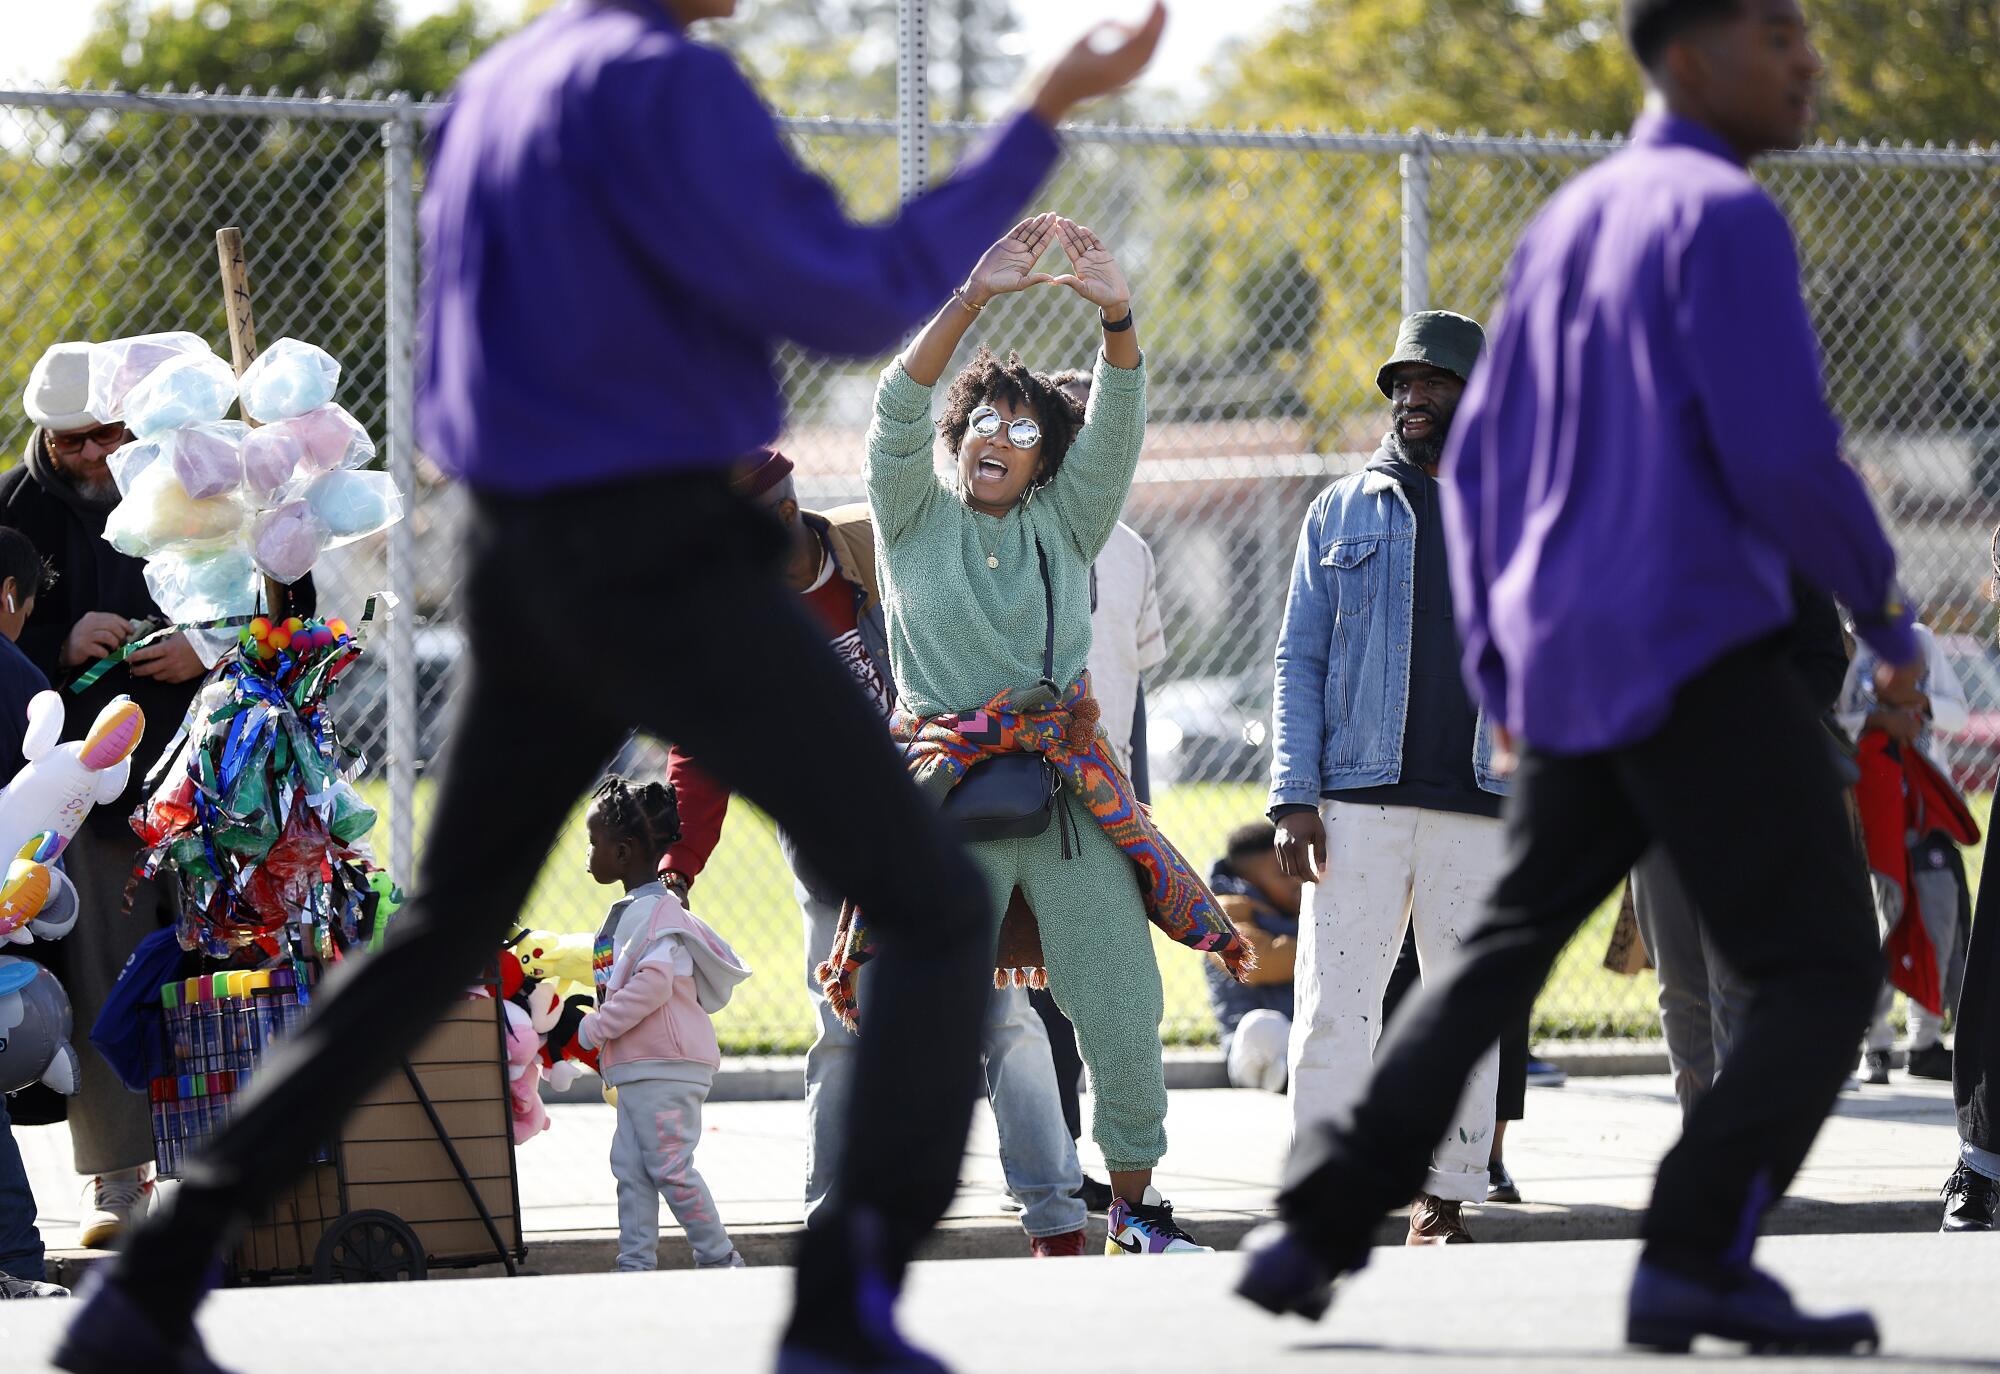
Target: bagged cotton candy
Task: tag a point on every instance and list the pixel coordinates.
(158, 515)
(289, 378)
(207, 458)
(270, 456)
(332, 439)
(186, 390)
(118, 366)
(285, 542)
(352, 505)
(210, 585)
(129, 460)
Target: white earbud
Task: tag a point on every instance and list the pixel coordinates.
(10, 603)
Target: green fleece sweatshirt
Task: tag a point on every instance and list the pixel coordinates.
(961, 631)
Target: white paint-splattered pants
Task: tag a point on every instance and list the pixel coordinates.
(652, 1156)
(1386, 867)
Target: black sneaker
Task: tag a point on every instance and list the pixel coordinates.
(1095, 1196)
(1969, 1198)
(1932, 1061)
(1500, 1185)
(1875, 1067)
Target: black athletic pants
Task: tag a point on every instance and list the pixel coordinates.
(1740, 786)
(650, 604)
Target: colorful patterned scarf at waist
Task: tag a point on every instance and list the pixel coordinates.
(939, 750)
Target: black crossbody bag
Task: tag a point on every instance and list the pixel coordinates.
(1012, 796)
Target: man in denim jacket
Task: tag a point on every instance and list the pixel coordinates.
(1383, 789)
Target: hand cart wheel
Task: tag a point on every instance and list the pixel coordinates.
(368, 1247)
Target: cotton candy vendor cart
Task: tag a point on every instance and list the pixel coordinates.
(421, 1175)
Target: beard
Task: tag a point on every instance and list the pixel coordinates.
(1425, 453)
(98, 491)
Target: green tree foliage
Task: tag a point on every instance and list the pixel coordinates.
(311, 45)
(1440, 64)
(1882, 249)
(134, 202)
(1895, 69)
(838, 57)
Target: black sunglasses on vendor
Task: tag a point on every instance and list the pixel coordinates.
(106, 437)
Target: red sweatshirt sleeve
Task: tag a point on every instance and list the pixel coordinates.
(704, 803)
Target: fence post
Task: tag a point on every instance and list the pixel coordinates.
(1416, 173)
(398, 136)
(913, 105)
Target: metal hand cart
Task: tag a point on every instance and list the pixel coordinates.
(422, 1175)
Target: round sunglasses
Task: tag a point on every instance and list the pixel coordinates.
(985, 421)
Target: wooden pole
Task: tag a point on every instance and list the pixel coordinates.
(235, 267)
(236, 300)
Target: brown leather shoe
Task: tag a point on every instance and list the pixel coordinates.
(1437, 1221)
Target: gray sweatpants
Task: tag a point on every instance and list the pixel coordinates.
(652, 1156)
(1702, 1001)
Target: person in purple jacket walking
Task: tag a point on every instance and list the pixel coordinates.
(1643, 456)
(617, 239)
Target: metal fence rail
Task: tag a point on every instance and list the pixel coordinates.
(1270, 268)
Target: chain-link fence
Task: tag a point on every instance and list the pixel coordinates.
(1270, 271)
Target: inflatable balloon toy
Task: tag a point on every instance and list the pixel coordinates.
(43, 806)
(34, 1029)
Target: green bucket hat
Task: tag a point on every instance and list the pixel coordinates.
(1440, 338)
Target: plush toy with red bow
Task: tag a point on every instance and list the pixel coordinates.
(529, 1020)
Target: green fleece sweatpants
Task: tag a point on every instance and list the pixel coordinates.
(1098, 945)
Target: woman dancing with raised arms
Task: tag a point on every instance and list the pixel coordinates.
(1037, 486)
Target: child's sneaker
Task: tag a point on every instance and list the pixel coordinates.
(1147, 1228)
(735, 1261)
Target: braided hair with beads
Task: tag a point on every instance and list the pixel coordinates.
(647, 815)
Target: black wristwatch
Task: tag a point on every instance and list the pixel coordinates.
(1121, 326)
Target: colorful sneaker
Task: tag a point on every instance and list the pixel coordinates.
(1057, 1247)
(11, 1287)
(112, 1204)
(1147, 1228)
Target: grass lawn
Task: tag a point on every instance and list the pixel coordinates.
(747, 894)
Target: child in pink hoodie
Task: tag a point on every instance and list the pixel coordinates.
(660, 973)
